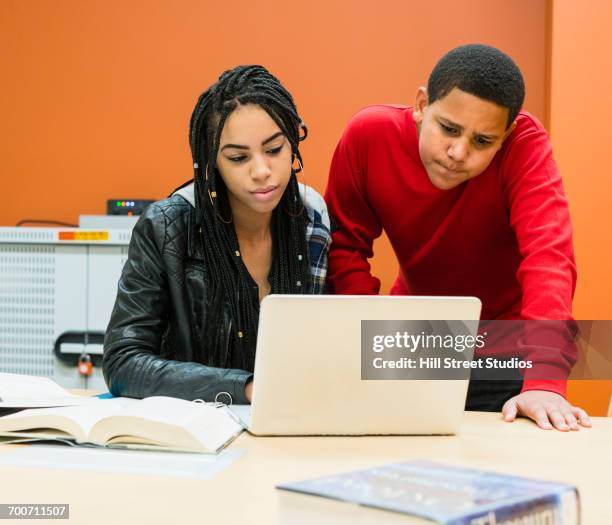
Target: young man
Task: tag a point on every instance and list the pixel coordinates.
(465, 186)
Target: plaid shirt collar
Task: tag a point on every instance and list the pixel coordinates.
(318, 235)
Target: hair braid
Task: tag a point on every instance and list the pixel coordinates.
(229, 278)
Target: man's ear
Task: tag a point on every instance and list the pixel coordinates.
(420, 103)
(509, 130)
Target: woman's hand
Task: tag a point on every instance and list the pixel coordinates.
(248, 390)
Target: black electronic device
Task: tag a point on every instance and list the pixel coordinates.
(126, 206)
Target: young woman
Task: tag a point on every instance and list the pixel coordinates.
(185, 319)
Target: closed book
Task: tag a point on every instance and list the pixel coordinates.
(426, 492)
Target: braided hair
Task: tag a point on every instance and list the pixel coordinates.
(229, 279)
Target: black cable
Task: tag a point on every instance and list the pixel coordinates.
(40, 221)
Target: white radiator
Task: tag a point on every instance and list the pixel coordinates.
(57, 290)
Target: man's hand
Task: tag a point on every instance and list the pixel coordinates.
(248, 391)
(547, 409)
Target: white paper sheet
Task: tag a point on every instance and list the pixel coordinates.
(145, 463)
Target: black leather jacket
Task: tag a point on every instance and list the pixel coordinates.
(158, 341)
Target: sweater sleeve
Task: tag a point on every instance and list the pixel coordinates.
(539, 216)
(354, 222)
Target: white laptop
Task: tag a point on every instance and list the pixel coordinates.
(308, 374)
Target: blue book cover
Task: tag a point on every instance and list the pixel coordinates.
(450, 495)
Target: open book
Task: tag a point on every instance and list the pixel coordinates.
(23, 391)
(159, 423)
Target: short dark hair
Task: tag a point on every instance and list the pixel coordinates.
(482, 71)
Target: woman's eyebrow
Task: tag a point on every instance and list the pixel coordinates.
(270, 139)
(236, 146)
(240, 146)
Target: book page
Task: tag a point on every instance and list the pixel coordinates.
(170, 422)
(76, 421)
(23, 391)
(217, 429)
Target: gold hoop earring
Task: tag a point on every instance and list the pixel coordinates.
(213, 195)
(303, 201)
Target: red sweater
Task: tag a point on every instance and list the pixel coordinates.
(504, 236)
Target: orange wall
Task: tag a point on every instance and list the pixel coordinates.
(96, 96)
(580, 116)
